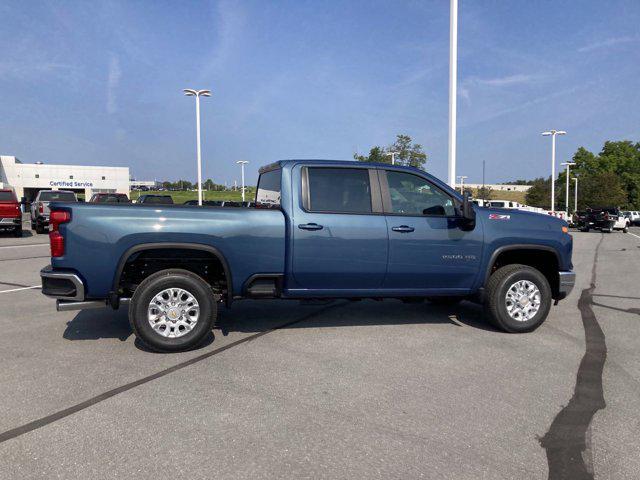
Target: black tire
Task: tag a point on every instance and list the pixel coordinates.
(496, 291)
(584, 229)
(39, 228)
(156, 283)
(625, 229)
(445, 300)
(17, 232)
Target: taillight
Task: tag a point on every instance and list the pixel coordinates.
(56, 240)
(40, 207)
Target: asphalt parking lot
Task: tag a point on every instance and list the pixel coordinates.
(327, 390)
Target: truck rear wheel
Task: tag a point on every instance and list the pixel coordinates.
(518, 298)
(17, 232)
(172, 310)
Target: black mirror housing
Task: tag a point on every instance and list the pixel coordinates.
(468, 213)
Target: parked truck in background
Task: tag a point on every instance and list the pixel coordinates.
(40, 207)
(10, 212)
(319, 229)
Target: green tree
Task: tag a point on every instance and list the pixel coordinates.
(601, 190)
(376, 154)
(208, 184)
(485, 193)
(539, 195)
(407, 153)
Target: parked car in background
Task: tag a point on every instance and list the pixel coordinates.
(605, 219)
(109, 198)
(10, 212)
(324, 229)
(151, 199)
(231, 203)
(633, 216)
(206, 203)
(40, 207)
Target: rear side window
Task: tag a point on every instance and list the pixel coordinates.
(6, 197)
(269, 188)
(339, 190)
(159, 200)
(53, 196)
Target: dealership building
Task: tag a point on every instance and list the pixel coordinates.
(27, 179)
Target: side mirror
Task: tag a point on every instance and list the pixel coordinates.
(468, 213)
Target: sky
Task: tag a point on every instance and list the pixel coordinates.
(100, 83)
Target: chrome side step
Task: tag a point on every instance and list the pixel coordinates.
(65, 306)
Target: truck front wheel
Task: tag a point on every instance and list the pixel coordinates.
(518, 298)
(172, 310)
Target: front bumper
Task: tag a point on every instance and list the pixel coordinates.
(566, 283)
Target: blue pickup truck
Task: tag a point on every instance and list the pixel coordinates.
(319, 229)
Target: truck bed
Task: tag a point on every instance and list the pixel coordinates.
(251, 240)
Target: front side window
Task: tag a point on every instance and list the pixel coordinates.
(269, 188)
(413, 195)
(339, 190)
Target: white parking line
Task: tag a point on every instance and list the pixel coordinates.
(637, 236)
(19, 289)
(24, 246)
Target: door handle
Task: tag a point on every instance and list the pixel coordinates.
(310, 226)
(403, 229)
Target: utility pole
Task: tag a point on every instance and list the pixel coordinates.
(393, 157)
(462, 177)
(453, 90)
(575, 192)
(553, 134)
(483, 187)
(242, 163)
(568, 164)
(198, 93)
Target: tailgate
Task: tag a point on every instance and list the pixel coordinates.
(9, 209)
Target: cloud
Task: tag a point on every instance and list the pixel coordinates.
(113, 80)
(610, 42)
(229, 26)
(505, 81)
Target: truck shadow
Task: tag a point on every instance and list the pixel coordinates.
(252, 316)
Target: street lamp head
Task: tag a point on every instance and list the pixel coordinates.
(546, 134)
(190, 92)
(561, 132)
(569, 164)
(242, 162)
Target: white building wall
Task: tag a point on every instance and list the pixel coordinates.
(59, 177)
(500, 187)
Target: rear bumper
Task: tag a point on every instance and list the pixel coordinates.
(565, 286)
(61, 285)
(10, 222)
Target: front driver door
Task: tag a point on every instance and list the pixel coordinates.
(428, 247)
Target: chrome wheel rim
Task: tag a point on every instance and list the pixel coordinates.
(523, 300)
(173, 312)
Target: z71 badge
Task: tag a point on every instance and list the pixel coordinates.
(499, 216)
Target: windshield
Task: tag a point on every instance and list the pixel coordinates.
(7, 197)
(53, 196)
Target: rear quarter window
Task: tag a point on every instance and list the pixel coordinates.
(269, 189)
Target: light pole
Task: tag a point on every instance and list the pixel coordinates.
(568, 165)
(393, 157)
(198, 93)
(575, 193)
(453, 79)
(553, 134)
(462, 177)
(242, 163)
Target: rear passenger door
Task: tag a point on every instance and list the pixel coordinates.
(340, 239)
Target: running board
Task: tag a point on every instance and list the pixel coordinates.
(66, 306)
